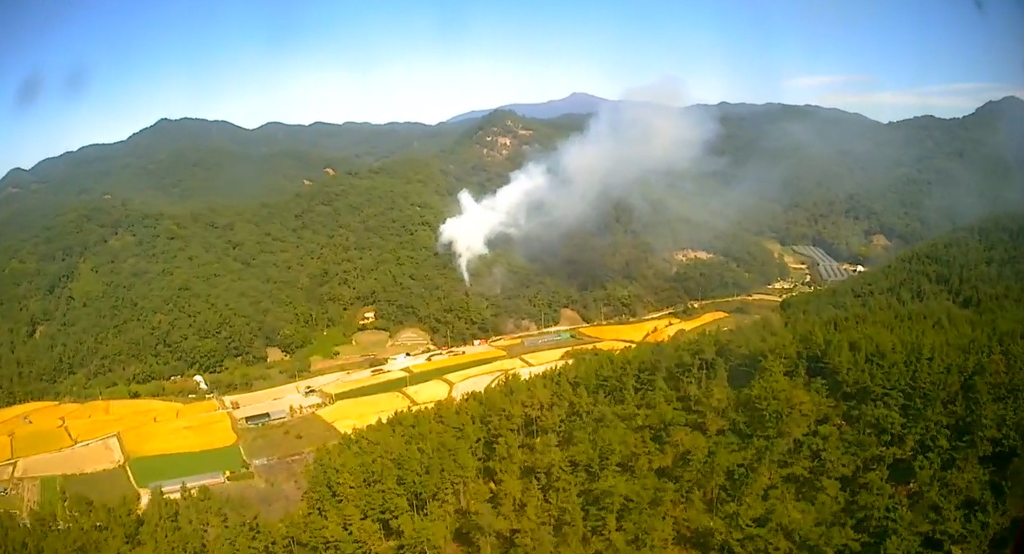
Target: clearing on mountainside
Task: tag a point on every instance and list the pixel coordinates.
(96, 456)
(569, 318)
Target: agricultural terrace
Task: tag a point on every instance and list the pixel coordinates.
(37, 428)
(425, 383)
(667, 333)
(91, 457)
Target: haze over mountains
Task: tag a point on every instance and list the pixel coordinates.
(575, 103)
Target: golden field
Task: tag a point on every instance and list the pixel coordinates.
(88, 458)
(475, 384)
(632, 332)
(429, 392)
(30, 441)
(189, 434)
(493, 367)
(43, 427)
(530, 371)
(484, 354)
(663, 335)
(353, 413)
(11, 412)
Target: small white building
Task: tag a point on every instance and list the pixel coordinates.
(201, 382)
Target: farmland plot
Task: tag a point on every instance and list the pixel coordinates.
(95, 456)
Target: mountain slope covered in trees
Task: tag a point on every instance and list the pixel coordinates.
(885, 414)
(210, 247)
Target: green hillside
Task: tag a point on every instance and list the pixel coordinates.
(211, 248)
(885, 414)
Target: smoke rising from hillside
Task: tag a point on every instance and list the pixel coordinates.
(645, 136)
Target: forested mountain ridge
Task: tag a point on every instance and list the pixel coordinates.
(210, 247)
(885, 414)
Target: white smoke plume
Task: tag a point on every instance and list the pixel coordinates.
(646, 135)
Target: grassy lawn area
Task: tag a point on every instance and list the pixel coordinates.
(152, 469)
(12, 502)
(108, 487)
(49, 495)
(287, 438)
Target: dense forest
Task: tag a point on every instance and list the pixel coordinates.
(885, 414)
(196, 244)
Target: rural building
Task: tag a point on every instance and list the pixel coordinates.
(265, 417)
(275, 410)
(172, 487)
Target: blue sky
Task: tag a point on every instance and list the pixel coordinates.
(88, 71)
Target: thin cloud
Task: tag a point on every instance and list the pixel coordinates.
(815, 81)
(956, 95)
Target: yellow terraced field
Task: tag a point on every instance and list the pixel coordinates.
(345, 386)
(51, 413)
(506, 342)
(89, 458)
(31, 440)
(688, 325)
(474, 384)
(196, 408)
(610, 345)
(96, 408)
(633, 332)
(527, 372)
(488, 354)
(493, 367)
(545, 356)
(5, 448)
(431, 391)
(123, 407)
(11, 412)
(188, 434)
(353, 413)
(96, 427)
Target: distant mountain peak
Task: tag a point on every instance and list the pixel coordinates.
(575, 103)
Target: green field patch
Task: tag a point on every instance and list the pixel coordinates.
(153, 469)
(11, 501)
(325, 343)
(413, 379)
(287, 438)
(49, 495)
(519, 349)
(110, 487)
